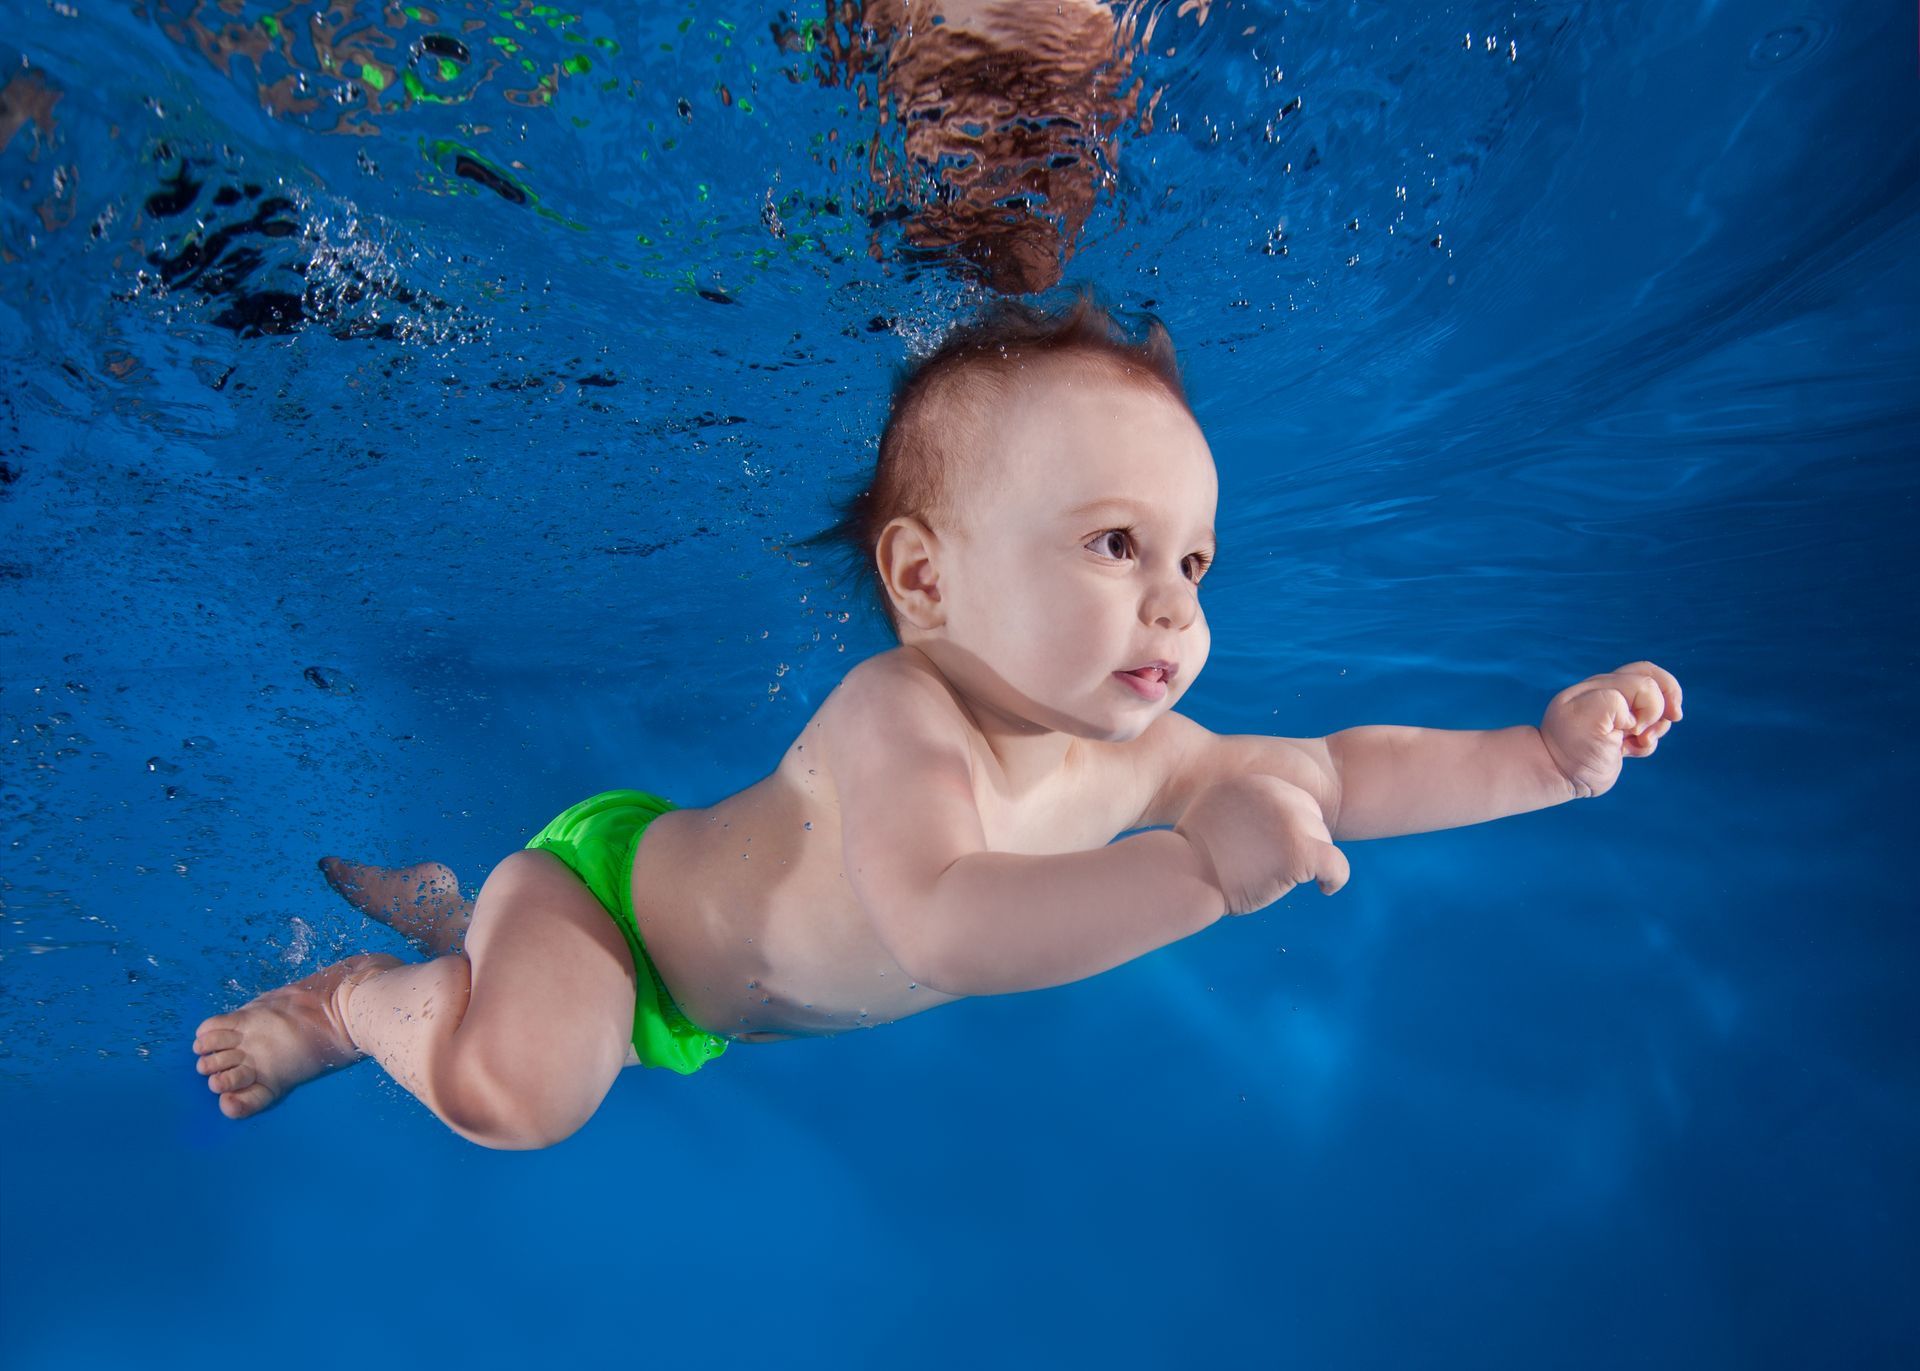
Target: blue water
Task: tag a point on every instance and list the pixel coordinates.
(356, 502)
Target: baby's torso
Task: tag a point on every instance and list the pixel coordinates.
(747, 913)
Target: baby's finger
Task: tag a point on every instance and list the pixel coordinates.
(1334, 870)
(1668, 682)
(1642, 700)
(1648, 700)
(1643, 743)
(1617, 715)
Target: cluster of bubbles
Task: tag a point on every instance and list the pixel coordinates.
(271, 259)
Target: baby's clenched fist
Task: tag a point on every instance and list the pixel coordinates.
(1261, 836)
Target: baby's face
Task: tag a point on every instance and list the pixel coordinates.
(1085, 537)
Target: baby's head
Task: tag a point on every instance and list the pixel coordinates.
(1040, 517)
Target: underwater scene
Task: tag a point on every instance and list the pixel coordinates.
(419, 418)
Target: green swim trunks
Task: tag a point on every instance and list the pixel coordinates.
(598, 838)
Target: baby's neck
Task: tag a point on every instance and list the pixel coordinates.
(1022, 754)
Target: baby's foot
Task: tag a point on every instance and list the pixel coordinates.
(253, 1056)
(421, 903)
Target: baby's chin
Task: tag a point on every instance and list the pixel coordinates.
(1120, 719)
(1092, 718)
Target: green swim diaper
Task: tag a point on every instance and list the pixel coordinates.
(598, 838)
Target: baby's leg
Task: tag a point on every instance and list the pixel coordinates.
(513, 1045)
(519, 1051)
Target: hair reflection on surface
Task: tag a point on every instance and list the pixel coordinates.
(1007, 118)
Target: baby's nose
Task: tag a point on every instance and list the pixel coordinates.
(1173, 607)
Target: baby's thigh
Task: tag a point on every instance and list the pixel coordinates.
(551, 1013)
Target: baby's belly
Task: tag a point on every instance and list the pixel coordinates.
(756, 932)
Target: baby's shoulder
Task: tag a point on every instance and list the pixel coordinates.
(899, 678)
(896, 694)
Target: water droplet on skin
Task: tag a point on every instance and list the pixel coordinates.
(753, 985)
(913, 985)
(766, 999)
(808, 825)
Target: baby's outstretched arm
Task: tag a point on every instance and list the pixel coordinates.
(1395, 780)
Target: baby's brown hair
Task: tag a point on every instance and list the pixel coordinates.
(940, 402)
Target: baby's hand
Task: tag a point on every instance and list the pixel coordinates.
(1262, 836)
(1590, 726)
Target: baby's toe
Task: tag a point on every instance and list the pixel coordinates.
(218, 1061)
(237, 1104)
(233, 1078)
(215, 1033)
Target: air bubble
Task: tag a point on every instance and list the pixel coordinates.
(1788, 46)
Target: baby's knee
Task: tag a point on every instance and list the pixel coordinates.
(510, 1116)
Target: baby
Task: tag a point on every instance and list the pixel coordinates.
(1037, 531)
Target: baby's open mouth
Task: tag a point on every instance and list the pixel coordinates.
(1149, 682)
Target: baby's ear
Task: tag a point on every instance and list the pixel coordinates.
(907, 561)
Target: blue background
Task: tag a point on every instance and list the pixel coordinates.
(1625, 1082)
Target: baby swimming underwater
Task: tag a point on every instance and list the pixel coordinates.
(1036, 533)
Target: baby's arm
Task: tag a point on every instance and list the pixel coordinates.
(964, 920)
(1395, 780)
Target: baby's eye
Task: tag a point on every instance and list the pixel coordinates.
(1104, 542)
